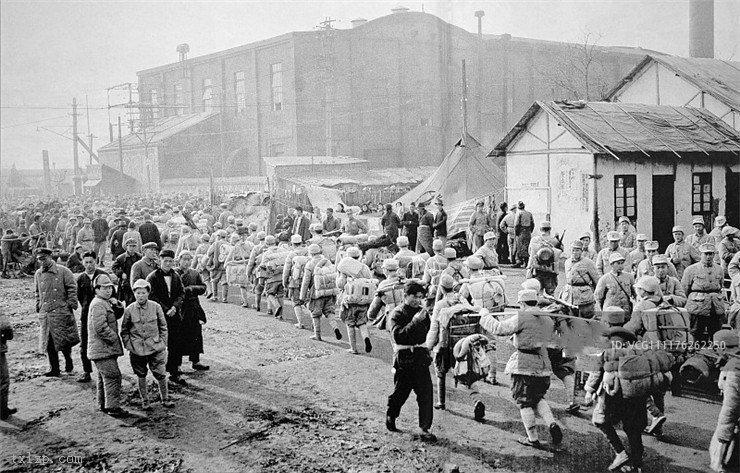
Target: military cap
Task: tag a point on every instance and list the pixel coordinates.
(577, 245)
(151, 244)
(450, 253)
(438, 245)
(402, 241)
(660, 259)
(652, 245)
(142, 284)
(372, 238)
(296, 239)
(130, 241)
(532, 284)
(223, 205)
(474, 263)
(234, 237)
(527, 295)
(545, 224)
(622, 333)
(697, 221)
(217, 225)
(166, 254)
(726, 338)
(707, 248)
(185, 229)
(253, 226)
(613, 236)
(78, 246)
(720, 220)
(270, 240)
(103, 280)
(585, 235)
(641, 237)
(678, 229)
(489, 236)
(446, 281)
(239, 221)
(314, 249)
(87, 220)
(176, 209)
(354, 252)
(43, 251)
(615, 257)
(624, 218)
(185, 253)
(728, 230)
(205, 237)
(648, 283)
(231, 219)
(261, 235)
(221, 233)
(391, 264)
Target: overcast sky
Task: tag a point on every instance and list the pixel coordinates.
(54, 50)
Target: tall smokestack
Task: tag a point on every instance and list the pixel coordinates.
(47, 171)
(701, 28)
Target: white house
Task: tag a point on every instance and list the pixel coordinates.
(711, 84)
(583, 165)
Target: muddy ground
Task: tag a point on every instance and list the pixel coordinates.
(275, 401)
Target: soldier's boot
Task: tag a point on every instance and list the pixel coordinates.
(214, 297)
(144, 394)
(258, 302)
(164, 393)
(352, 340)
(225, 298)
(365, 333)
(316, 328)
(441, 392)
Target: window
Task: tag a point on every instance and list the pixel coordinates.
(276, 85)
(625, 196)
(207, 95)
(240, 92)
(701, 193)
(179, 100)
(154, 101)
(277, 149)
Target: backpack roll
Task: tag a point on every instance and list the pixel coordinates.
(325, 280)
(296, 270)
(360, 291)
(637, 376)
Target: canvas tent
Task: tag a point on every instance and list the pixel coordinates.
(466, 175)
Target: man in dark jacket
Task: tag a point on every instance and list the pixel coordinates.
(85, 295)
(191, 340)
(122, 268)
(409, 324)
(410, 224)
(116, 238)
(440, 223)
(74, 263)
(6, 334)
(390, 223)
(502, 247)
(149, 232)
(168, 292)
(301, 224)
(100, 230)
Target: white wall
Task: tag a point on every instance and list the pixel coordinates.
(666, 88)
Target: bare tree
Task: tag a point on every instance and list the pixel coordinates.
(579, 70)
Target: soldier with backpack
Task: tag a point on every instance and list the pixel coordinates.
(271, 265)
(319, 289)
(253, 270)
(214, 264)
(389, 294)
(357, 289)
(295, 263)
(433, 270)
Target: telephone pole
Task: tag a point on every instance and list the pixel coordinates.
(464, 102)
(120, 146)
(76, 178)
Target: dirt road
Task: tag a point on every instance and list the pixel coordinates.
(275, 401)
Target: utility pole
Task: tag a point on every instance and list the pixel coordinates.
(76, 178)
(222, 98)
(464, 102)
(120, 146)
(479, 76)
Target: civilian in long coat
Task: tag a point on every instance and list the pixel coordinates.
(193, 315)
(122, 268)
(85, 295)
(56, 299)
(168, 292)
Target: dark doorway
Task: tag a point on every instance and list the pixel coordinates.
(732, 208)
(663, 212)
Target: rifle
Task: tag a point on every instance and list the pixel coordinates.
(560, 239)
(560, 301)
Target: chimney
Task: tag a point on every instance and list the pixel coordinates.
(701, 28)
(357, 22)
(480, 14)
(47, 171)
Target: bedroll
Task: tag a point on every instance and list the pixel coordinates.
(325, 280)
(360, 291)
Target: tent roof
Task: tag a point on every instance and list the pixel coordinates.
(718, 78)
(160, 130)
(466, 173)
(636, 129)
(370, 177)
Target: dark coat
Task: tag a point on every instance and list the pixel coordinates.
(191, 334)
(301, 227)
(116, 241)
(74, 263)
(149, 232)
(169, 299)
(122, 265)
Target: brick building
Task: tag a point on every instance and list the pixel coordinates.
(387, 91)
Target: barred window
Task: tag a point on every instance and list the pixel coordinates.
(701, 194)
(276, 85)
(240, 92)
(625, 196)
